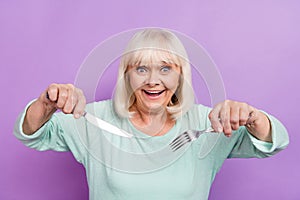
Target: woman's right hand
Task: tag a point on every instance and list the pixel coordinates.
(65, 97)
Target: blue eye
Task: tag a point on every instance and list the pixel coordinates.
(165, 69)
(141, 69)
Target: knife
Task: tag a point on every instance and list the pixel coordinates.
(102, 124)
(105, 125)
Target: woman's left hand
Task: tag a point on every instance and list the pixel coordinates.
(230, 115)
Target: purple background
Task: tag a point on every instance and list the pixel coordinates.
(255, 44)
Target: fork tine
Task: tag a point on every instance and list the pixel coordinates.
(178, 138)
(187, 137)
(181, 138)
(180, 141)
(179, 146)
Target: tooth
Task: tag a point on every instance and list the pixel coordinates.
(151, 92)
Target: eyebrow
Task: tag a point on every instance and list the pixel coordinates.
(162, 63)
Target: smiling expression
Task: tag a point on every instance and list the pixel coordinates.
(153, 85)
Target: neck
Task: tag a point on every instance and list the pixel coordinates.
(148, 116)
(152, 123)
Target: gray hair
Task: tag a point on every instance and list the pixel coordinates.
(148, 46)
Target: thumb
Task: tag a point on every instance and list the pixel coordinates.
(215, 120)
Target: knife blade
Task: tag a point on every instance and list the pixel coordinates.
(102, 124)
(106, 126)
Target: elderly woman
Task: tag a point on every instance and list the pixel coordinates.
(154, 101)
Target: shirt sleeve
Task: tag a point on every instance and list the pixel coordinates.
(280, 138)
(248, 146)
(48, 137)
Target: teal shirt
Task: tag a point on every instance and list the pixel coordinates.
(143, 167)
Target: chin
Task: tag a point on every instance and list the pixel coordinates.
(156, 107)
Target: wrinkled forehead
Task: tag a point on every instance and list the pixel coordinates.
(152, 57)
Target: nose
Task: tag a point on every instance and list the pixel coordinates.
(153, 79)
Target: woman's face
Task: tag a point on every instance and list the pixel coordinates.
(154, 85)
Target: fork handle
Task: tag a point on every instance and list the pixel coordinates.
(209, 129)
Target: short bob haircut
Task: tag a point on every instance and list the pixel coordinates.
(153, 45)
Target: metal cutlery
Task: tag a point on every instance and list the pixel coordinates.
(188, 136)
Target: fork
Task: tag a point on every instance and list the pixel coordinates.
(188, 136)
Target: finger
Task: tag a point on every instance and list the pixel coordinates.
(225, 119)
(71, 100)
(80, 106)
(244, 116)
(214, 119)
(235, 117)
(52, 92)
(62, 97)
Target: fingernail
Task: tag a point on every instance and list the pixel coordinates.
(219, 129)
(76, 116)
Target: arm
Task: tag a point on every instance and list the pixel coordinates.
(245, 145)
(50, 136)
(230, 115)
(38, 128)
(60, 96)
(59, 133)
(259, 134)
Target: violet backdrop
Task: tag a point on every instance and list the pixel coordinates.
(255, 44)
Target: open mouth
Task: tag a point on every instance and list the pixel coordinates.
(153, 93)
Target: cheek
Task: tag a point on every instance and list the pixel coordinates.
(135, 81)
(171, 82)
